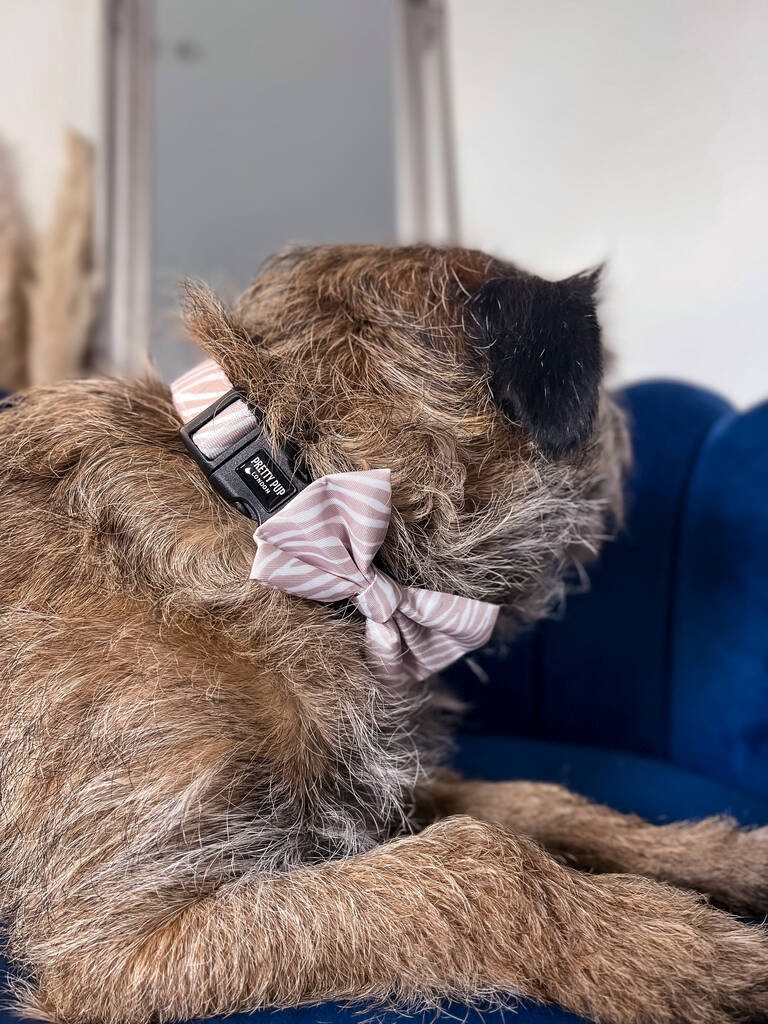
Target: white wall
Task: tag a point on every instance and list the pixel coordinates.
(50, 68)
(632, 132)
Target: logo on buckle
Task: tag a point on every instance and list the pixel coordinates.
(264, 477)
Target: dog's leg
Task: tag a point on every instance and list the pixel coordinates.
(464, 909)
(714, 855)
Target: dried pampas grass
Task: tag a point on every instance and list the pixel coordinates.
(14, 277)
(62, 297)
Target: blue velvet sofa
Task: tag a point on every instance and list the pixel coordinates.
(651, 693)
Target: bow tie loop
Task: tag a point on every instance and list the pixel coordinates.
(380, 599)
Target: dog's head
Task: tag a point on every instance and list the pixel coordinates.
(478, 385)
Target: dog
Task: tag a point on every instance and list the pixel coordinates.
(211, 800)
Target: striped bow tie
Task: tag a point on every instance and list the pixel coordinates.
(321, 546)
(322, 542)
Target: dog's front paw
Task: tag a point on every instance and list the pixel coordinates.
(738, 967)
(745, 879)
(614, 948)
(677, 960)
(728, 863)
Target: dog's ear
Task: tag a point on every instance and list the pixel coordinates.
(542, 340)
(214, 328)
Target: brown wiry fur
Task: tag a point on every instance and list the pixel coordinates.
(209, 805)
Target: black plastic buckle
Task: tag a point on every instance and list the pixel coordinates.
(254, 477)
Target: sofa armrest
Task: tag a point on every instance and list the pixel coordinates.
(718, 714)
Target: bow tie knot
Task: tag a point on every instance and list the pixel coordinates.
(380, 599)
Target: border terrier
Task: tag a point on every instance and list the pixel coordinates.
(213, 799)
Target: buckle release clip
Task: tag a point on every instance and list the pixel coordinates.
(251, 475)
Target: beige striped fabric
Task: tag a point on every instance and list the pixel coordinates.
(195, 391)
(322, 544)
